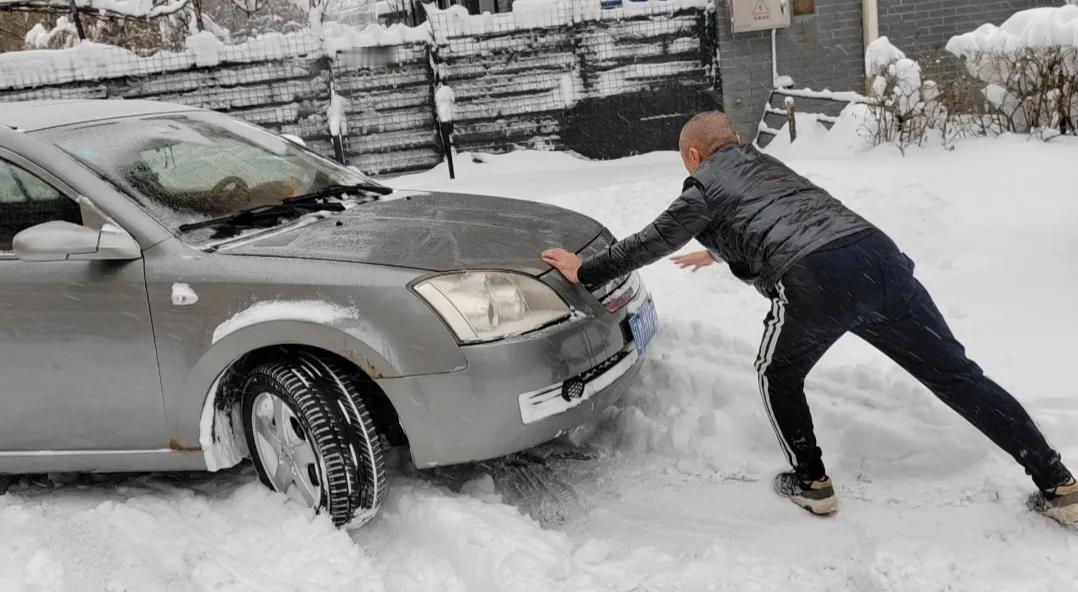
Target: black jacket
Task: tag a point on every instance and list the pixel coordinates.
(748, 209)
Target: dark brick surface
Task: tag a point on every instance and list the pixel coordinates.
(825, 49)
(921, 27)
(821, 50)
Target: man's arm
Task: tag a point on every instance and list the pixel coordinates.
(688, 216)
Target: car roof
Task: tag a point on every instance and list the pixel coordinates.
(38, 115)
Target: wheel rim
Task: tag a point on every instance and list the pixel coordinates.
(284, 450)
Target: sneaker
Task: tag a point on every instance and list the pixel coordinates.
(817, 497)
(1059, 503)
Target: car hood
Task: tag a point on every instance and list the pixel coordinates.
(435, 232)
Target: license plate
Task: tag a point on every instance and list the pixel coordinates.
(644, 324)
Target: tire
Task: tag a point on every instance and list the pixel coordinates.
(333, 454)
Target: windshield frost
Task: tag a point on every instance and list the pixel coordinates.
(190, 167)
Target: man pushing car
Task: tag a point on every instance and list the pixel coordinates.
(827, 271)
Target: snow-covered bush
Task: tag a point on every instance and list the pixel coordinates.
(1029, 68)
(903, 107)
(1022, 77)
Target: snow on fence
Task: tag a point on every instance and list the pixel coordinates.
(535, 77)
(277, 81)
(388, 105)
(520, 78)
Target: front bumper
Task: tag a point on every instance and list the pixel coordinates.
(509, 397)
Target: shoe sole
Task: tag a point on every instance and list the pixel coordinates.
(1065, 515)
(820, 507)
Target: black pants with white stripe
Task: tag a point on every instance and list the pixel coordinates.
(865, 285)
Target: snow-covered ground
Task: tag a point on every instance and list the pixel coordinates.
(673, 492)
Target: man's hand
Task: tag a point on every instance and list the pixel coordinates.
(695, 260)
(565, 262)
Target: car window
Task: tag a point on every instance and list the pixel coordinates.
(186, 168)
(26, 200)
(182, 168)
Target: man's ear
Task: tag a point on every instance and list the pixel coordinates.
(695, 157)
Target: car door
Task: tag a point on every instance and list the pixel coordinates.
(78, 366)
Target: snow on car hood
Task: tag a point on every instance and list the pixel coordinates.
(436, 232)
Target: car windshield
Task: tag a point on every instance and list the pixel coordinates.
(187, 168)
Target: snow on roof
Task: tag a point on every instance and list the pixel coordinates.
(1037, 27)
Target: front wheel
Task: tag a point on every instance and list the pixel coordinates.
(312, 438)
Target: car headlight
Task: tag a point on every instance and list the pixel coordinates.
(487, 305)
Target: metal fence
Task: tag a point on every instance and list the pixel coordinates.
(602, 82)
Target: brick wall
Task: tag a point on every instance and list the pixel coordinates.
(825, 49)
(820, 50)
(922, 27)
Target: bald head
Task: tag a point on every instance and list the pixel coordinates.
(704, 134)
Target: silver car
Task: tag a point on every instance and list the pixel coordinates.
(180, 290)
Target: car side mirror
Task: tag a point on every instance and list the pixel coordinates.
(294, 139)
(64, 241)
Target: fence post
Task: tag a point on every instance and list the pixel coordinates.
(791, 119)
(445, 129)
(444, 103)
(78, 21)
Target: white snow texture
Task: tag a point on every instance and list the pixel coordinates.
(676, 494)
(288, 310)
(1035, 28)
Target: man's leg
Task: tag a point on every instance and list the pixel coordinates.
(917, 337)
(797, 335)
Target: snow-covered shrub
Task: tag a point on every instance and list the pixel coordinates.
(59, 37)
(1029, 69)
(1022, 77)
(903, 107)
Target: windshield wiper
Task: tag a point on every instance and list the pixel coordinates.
(336, 190)
(255, 216)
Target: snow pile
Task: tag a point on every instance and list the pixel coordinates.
(444, 100)
(312, 311)
(337, 115)
(846, 136)
(205, 48)
(492, 546)
(1034, 28)
(150, 535)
